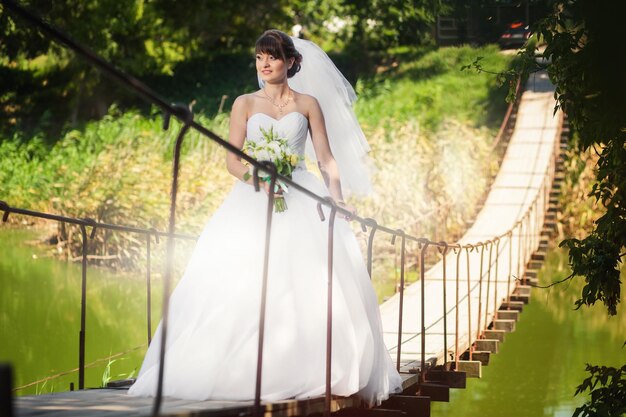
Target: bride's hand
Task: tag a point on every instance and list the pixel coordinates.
(347, 207)
(278, 193)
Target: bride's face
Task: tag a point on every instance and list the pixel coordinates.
(271, 68)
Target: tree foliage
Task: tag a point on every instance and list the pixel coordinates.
(588, 67)
(586, 52)
(586, 61)
(607, 386)
(144, 38)
(155, 38)
(384, 23)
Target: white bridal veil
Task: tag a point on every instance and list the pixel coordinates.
(320, 78)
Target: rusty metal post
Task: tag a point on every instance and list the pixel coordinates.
(148, 289)
(329, 311)
(546, 204)
(480, 292)
(496, 281)
(529, 224)
(519, 253)
(423, 312)
(488, 284)
(508, 288)
(542, 218)
(469, 302)
(83, 312)
(539, 207)
(525, 256)
(529, 237)
(445, 309)
(535, 223)
(370, 244)
(456, 308)
(187, 115)
(271, 169)
(545, 188)
(401, 306)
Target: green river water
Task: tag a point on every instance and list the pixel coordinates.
(40, 318)
(535, 374)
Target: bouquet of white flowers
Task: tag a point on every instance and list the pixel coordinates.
(272, 147)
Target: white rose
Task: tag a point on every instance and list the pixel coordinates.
(263, 155)
(274, 147)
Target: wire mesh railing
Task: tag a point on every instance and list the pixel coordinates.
(524, 235)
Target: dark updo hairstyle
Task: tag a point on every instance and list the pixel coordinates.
(279, 45)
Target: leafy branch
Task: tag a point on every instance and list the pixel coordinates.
(607, 387)
(526, 62)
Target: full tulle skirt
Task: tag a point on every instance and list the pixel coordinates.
(213, 329)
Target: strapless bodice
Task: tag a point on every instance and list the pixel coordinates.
(293, 126)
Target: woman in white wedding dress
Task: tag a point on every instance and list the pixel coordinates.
(213, 330)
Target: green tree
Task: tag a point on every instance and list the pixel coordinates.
(144, 38)
(384, 23)
(218, 25)
(586, 56)
(125, 33)
(373, 25)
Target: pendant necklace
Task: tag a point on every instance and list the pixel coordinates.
(280, 106)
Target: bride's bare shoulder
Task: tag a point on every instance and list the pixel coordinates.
(244, 103)
(306, 102)
(304, 98)
(246, 99)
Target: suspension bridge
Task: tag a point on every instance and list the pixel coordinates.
(439, 330)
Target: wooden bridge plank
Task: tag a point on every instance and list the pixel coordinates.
(116, 402)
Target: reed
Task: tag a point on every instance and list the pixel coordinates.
(429, 125)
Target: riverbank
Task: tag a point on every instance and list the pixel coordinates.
(429, 126)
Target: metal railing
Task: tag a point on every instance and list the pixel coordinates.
(525, 231)
(83, 224)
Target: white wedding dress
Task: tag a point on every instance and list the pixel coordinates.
(212, 337)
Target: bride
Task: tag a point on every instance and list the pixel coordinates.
(211, 348)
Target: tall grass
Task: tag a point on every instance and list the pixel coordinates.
(429, 125)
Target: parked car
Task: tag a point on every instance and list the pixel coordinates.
(515, 35)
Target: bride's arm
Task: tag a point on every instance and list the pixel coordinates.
(236, 137)
(326, 161)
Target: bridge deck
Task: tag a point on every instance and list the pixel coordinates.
(518, 183)
(116, 403)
